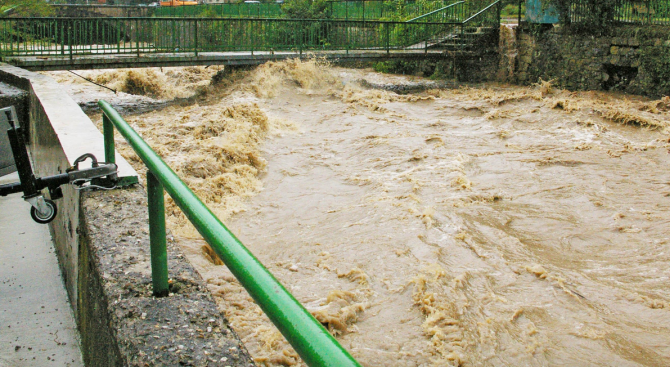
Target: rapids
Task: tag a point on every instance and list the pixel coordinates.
(478, 226)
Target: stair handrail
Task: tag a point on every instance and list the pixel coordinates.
(307, 336)
(435, 11)
(482, 11)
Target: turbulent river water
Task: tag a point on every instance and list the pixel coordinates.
(474, 226)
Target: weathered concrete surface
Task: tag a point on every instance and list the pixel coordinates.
(37, 327)
(126, 324)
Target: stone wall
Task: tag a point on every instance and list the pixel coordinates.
(634, 59)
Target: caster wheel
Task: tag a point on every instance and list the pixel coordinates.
(45, 218)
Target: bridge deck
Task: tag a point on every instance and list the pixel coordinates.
(133, 60)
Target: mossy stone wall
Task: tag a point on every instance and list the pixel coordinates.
(634, 59)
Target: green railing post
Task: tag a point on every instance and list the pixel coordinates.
(196, 38)
(108, 134)
(363, 2)
(157, 240)
(425, 31)
(69, 38)
(388, 38)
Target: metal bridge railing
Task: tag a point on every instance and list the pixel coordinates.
(100, 36)
(455, 12)
(623, 11)
(482, 30)
(307, 336)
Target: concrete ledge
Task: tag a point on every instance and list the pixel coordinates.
(124, 324)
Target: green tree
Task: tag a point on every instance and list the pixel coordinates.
(596, 14)
(306, 9)
(25, 8)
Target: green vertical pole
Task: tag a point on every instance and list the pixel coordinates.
(137, 37)
(108, 133)
(62, 37)
(69, 39)
(196, 38)
(157, 241)
(388, 38)
(118, 36)
(425, 31)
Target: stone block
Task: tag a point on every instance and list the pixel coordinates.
(615, 59)
(614, 50)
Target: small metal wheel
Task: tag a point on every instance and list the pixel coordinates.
(41, 218)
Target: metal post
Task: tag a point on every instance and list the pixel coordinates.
(157, 241)
(108, 134)
(519, 15)
(196, 38)
(69, 38)
(425, 31)
(62, 38)
(118, 36)
(388, 38)
(137, 37)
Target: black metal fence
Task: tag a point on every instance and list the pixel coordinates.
(622, 11)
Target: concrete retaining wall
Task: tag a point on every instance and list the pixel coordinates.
(102, 245)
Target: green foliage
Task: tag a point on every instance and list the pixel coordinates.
(25, 8)
(594, 14)
(512, 10)
(306, 9)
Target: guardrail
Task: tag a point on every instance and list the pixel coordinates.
(483, 29)
(307, 336)
(53, 37)
(451, 13)
(100, 36)
(622, 11)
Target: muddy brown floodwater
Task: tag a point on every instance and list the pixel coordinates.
(477, 226)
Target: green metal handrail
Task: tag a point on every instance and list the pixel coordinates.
(307, 336)
(441, 10)
(497, 3)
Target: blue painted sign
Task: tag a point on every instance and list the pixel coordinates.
(540, 11)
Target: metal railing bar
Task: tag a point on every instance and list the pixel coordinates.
(435, 11)
(307, 336)
(481, 11)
